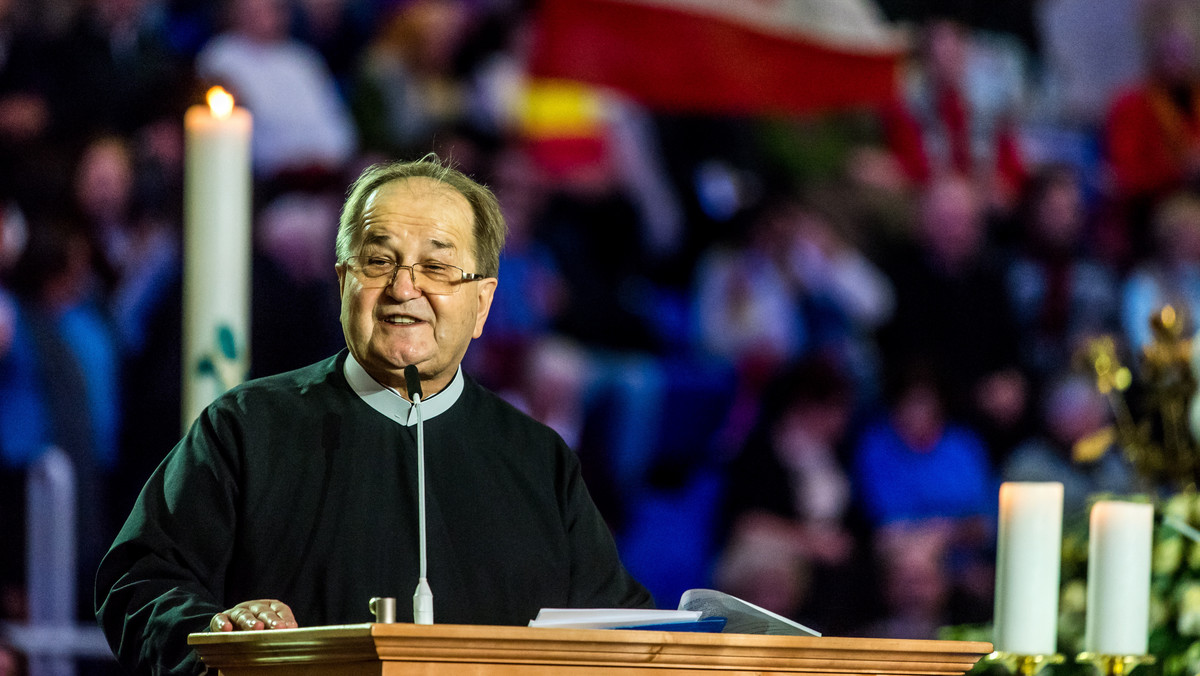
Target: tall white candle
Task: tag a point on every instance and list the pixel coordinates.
(1118, 598)
(1028, 557)
(217, 244)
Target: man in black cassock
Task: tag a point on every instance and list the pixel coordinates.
(293, 498)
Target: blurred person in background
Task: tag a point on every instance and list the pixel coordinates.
(1152, 135)
(104, 197)
(952, 314)
(113, 73)
(520, 356)
(788, 504)
(1061, 295)
(406, 90)
(844, 294)
(69, 352)
(22, 418)
(917, 592)
(24, 111)
(919, 470)
(769, 571)
(14, 235)
(134, 237)
(747, 301)
(1170, 276)
(337, 29)
(137, 247)
(797, 286)
(30, 160)
(948, 124)
(1073, 413)
(606, 300)
(916, 463)
(303, 130)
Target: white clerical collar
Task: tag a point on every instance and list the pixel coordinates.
(391, 403)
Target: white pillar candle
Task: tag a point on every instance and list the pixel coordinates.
(1118, 597)
(1028, 556)
(217, 242)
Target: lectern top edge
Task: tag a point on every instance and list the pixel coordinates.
(496, 649)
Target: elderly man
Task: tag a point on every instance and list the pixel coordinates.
(293, 499)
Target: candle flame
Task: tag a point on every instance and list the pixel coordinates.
(220, 102)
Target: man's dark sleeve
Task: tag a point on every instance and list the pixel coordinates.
(598, 579)
(163, 576)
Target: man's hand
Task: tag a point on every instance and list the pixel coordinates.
(259, 614)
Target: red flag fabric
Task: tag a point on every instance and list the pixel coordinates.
(723, 56)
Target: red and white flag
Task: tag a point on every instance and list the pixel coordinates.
(723, 56)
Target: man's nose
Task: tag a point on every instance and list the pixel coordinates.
(404, 283)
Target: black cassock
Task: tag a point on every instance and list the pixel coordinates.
(293, 488)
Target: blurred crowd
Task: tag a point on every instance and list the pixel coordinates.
(796, 355)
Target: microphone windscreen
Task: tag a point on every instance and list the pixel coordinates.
(412, 380)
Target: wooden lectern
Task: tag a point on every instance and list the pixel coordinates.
(443, 649)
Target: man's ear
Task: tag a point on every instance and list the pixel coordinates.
(341, 273)
(485, 293)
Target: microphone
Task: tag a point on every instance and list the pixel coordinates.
(423, 597)
(412, 380)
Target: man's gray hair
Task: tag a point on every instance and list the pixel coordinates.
(489, 222)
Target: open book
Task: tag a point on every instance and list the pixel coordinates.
(698, 610)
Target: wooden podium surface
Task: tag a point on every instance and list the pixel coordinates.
(443, 649)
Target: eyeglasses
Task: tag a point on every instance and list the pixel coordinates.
(439, 279)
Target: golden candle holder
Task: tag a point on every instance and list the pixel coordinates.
(1023, 665)
(1115, 665)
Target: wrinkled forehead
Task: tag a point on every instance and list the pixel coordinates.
(420, 203)
(413, 188)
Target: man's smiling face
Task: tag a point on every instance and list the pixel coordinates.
(414, 220)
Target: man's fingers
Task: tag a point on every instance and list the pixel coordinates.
(220, 622)
(246, 619)
(273, 614)
(253, 615)
(286, 619)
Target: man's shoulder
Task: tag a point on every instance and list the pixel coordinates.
(485, 406)
(290, 387)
